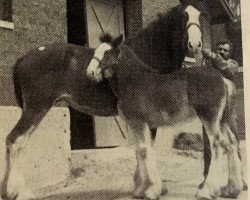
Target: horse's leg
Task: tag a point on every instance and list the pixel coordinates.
(235, 180)
(153, 135)
(206, 155)
(217, 175)
(14, 184)
(148, 183)
(137, 180)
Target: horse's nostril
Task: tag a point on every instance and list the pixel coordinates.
(200, 44)
(92, 73)
(190, 45)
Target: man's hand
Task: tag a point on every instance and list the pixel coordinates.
(208, 53)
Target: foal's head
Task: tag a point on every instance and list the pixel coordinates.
(111, 58)
(108, 46)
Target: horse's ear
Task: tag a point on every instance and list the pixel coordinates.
(183, 2)
(117, 41)
(105, 38)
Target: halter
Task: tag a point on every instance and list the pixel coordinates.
(194, 24)
(97, 59)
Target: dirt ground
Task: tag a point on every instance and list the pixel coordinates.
(107, 174)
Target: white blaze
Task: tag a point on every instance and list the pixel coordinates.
(93, 70)
(194, 32)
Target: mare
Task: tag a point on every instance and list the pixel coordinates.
(58, 72)
(164, 43)
(149, 99)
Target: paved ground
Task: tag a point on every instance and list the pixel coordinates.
(107, 174)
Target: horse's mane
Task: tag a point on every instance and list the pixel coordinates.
(160, 23)
(159, 44)
(138, 64)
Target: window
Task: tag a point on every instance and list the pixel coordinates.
(6, 14)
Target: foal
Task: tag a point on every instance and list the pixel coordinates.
(148, 99)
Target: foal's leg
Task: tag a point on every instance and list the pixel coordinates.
(148, 183)
(218, 174)
(137, 180)
(14, 183)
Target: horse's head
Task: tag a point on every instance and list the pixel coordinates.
(105, 56)
(187, 28)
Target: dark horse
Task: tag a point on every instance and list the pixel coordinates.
(149, 99)
(57, 72)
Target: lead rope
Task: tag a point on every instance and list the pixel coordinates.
(102, 29)
(120, 128)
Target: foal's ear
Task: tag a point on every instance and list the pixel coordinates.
(117, 41)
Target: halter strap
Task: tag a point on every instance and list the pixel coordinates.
(97, 59)
(193, 24)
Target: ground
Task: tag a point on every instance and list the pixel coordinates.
(107, 174)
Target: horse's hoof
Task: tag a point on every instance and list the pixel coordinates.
(153, 192)
(164, 191)
(245, 186)
(138, 194)
(201, 185)
(203, 194)
(230, 191)
(27, 194)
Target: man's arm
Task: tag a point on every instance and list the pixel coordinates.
(228, 68)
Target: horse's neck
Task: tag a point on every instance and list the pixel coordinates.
(131, 62)
(154, 47)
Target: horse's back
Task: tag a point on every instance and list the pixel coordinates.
(58, 71)
(51, 57)
(167, 98)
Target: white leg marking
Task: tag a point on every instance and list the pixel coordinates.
(217, 175)
(3, 168)
(235, 179)
(147, 179)
(16, 182)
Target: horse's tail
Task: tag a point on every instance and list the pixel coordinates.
(17, 86)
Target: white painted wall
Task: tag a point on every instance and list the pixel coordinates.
(45, 161)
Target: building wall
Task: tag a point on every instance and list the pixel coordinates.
(150, 9)
(133, 16)
(36, 22)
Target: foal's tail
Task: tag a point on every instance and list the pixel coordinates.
(17, 86)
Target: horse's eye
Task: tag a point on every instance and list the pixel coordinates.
(106, 52)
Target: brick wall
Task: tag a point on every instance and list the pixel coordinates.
(150, 9)
(133, 16)
(36, 22)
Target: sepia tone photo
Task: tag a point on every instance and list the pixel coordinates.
(123, 99)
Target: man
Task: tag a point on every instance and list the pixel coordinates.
(221, 59)
(227, 67)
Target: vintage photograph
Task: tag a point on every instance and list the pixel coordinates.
(123, 99)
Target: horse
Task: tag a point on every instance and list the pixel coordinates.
(150, 99)
(61, 72)
(165, 43)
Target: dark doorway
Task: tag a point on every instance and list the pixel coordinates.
(81, 125)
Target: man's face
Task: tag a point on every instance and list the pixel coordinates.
(224, 50)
